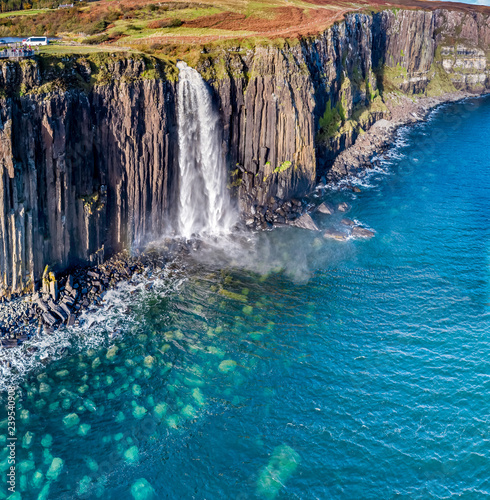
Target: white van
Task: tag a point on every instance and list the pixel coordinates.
(36, 40)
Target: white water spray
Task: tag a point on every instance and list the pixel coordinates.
(204, 200)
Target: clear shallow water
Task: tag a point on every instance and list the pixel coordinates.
(288, 366)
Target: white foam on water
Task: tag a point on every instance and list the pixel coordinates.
(97, 326)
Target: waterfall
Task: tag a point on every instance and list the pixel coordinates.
(204, 200)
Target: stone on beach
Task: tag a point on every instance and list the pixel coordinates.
(305, 222)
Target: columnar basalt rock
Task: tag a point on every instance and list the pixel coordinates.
(82, 175)
(88, 147)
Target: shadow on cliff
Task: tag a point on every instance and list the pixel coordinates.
(378, 50)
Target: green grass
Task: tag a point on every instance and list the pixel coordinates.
(63, 50)
(439, 82)
(32, 12)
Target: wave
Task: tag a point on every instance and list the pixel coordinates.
(96, 327)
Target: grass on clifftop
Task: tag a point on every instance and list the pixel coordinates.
(166, 25)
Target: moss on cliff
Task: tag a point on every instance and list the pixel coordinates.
(84, 71)
(331, 120)
(393, 77)
(439, 81)
(333, 127)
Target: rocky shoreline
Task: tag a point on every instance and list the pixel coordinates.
(402, 110)
(61, 300)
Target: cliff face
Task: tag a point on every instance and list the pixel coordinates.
(82, 171)
(288, 111)
(89, 147)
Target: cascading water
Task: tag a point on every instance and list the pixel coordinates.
(204, 200)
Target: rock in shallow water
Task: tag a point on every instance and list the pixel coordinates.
(142, 490)
(326, 208)
(132, 455)
(71, 420)
(335, 235)
(272, 478)
(361, 232)
(305, 222)
(343, 207)
(55, 469)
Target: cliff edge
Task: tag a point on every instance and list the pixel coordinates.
(88, 144)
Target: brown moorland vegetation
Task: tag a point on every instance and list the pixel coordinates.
(158, 25)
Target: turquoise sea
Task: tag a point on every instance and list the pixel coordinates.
(283, 365)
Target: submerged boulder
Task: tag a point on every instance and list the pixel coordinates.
(227, 365)
(343, 207)
(281, 466)
(132, 455)
(55, 469)
(71, 420)
(142, 490)
(112, 352)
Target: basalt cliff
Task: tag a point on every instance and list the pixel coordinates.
(89, 147)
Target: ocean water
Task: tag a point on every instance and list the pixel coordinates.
(283, 365)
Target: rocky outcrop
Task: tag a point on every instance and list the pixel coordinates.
(289, 111)
(82, 174)
(88, 145)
